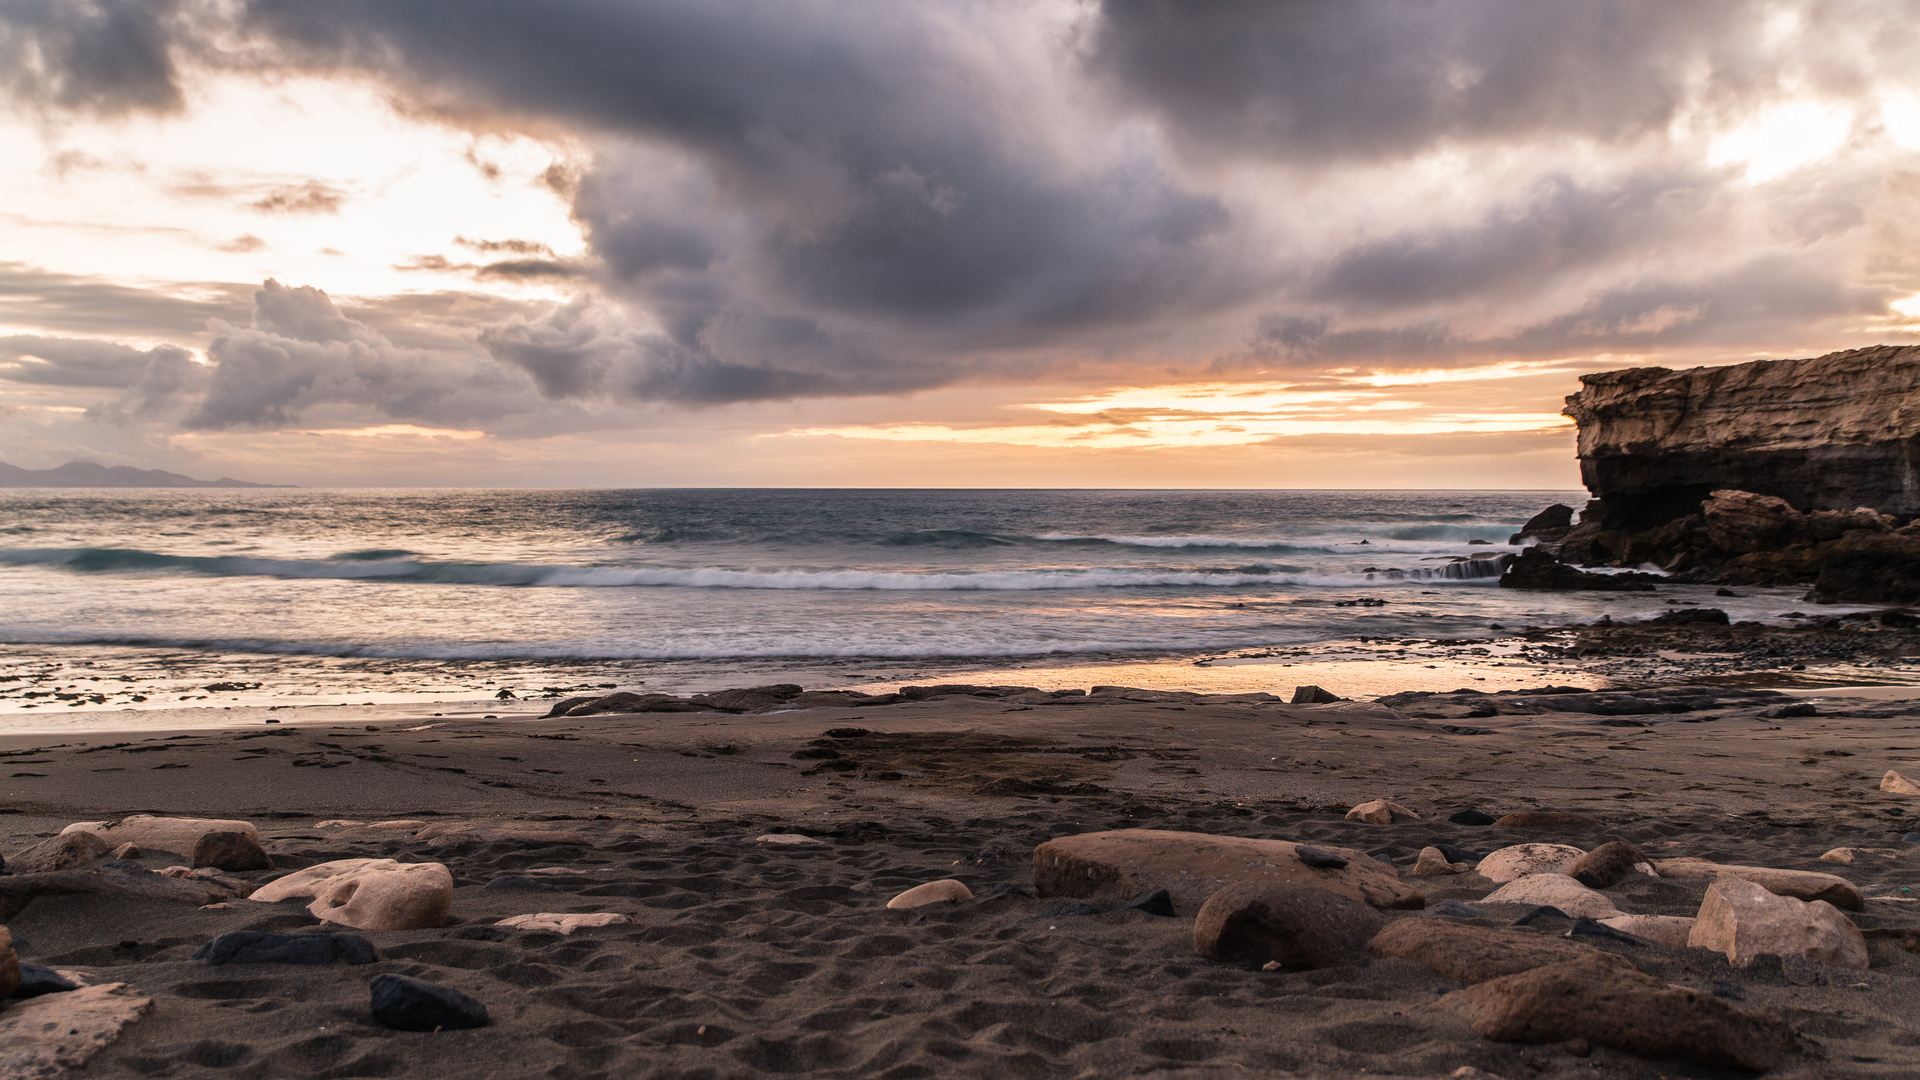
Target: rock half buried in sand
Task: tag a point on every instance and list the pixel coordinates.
(235, 852)
(1292, 925)
(1899, 785)
(1194, 866)
(1314, 695)
(1381, 812)
(50, 1035)
(370, 894)
(1433, 862)
(1544, 819)
(947, 890)
(36, 979)
(1849, 855)
(788, 839)
(1661, 929)
(1799, 884)
(1319, 857)
(1605, 865)
(1473, 954)
(418, 1005)
(1555, 890)
(264, 947)
(1742, 920)
(178, 835)
(60, 852)
(1516, 862)
(560, 923)
(1603, 1000)
(1470, 817)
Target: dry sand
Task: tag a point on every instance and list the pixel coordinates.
(749, 959)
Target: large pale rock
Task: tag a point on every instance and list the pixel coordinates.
(1603, 1000)
(1252, 922)
(1661, 929)
(944, 891)
(1799, 884)
(1126, 863)
(54, 1034)
(69, 849)
(1473, 954)
(561, 923)
(1381, 812)
(9, 967)
(1898, 785)
(1516, 862)
(1555, 890)
(1849, 855)
(1742, 920)
(370, 894)
(178, 835)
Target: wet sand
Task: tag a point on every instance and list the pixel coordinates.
(752, 959)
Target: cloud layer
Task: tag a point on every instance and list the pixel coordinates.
(824, 198)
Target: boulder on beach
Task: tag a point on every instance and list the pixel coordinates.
(370, 894)
(1896, 784)
(1251, 922)
(1742, 920)
(235, 852)
(1314, 695)
(69, 849)
(56, 1034)
(1799, 884)
(933, 892)
(177, 835)
(1519, 860)
(417, 1005)
(9, 966)
(1671, 930)
(1607, 864)
(1605, 1001)
(1125, 863)
(1473, 954)
(1558, 891)
(266, 947)
(1432, 862)
(1381, 812)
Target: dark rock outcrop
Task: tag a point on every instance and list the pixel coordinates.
(1534, 568)
(1549, 524)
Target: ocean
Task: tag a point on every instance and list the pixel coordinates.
(142, 599)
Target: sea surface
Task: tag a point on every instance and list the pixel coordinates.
(148, 598)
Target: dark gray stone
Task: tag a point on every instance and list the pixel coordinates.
(418, 1005)
(262, 947)
(36, 979)
(1470, 817)
(1319, 858)
(1158, 902)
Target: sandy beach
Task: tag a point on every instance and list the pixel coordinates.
(753, 957)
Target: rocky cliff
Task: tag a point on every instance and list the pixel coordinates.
(1836, 432)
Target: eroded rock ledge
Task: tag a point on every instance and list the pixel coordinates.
(1772, 472)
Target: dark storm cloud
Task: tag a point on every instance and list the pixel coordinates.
(1307, 81)
(792, 198)
(103, 56)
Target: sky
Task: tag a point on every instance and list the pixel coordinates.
(1079, 243)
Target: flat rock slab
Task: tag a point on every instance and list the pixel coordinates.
(1671, 930)
(49, 1035)
(178, 835)
(1799, 884)
(1555, 890)
(460, 834)
(1473, 954)
(561, 923)
(1125, 863)
(1742, 921)
(1608, 1003)
(65, 851)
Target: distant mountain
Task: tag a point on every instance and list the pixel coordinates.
(86, 474)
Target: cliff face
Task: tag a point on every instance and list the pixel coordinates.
(1833, 433)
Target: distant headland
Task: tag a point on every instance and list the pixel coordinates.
(87, 474)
